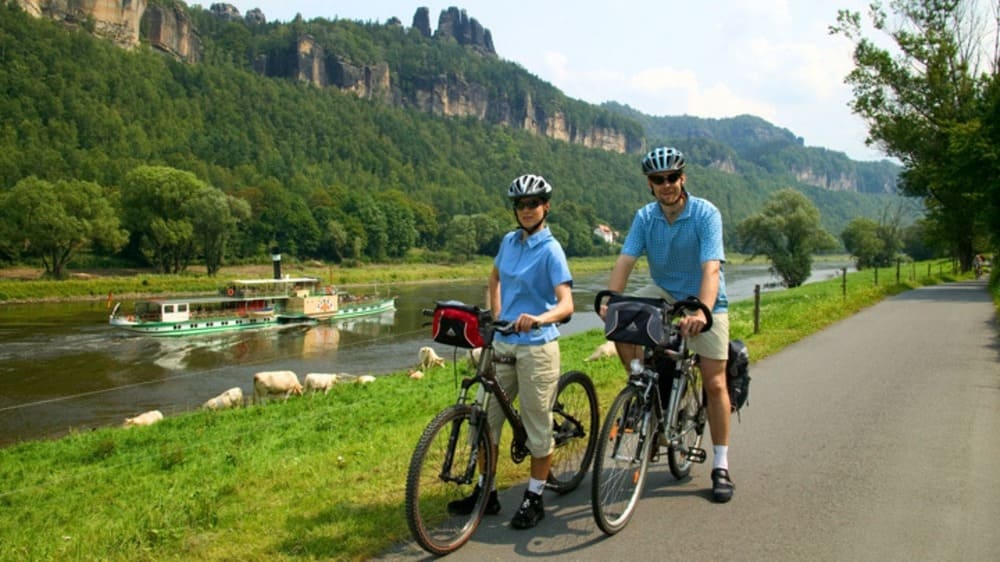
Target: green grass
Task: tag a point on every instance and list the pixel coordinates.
(318, 477)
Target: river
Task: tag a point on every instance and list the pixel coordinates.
(63, 368)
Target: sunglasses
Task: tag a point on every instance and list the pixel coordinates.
(522, 204)
(669, 178)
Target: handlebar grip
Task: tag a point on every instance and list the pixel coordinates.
(600, 297)
(692, 303)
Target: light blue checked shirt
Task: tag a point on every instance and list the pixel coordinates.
(676, 251)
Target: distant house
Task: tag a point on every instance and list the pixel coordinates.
(605, 233)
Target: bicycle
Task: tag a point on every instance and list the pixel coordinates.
(638, 420)
(458, 441)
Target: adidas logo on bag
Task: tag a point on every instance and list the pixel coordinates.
(450, 332)
(632, 327)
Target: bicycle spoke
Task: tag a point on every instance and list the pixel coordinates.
(574, 419)
(443, 470)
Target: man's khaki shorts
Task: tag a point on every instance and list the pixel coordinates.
(713, 344)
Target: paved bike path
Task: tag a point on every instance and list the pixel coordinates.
(875, 439)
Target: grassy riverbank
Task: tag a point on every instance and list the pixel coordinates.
(318, 477)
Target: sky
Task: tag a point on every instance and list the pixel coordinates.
(715, 58)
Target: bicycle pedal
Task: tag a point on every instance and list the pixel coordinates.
(696, 454)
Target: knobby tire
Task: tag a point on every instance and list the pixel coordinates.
(427, 493)
(575, 417)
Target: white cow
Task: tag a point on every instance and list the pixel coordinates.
(606, 349)
(145, 418)
(232, 398)
(365, 379)
(415, 374)
(316, 382)
(429, 358)
(266, 383)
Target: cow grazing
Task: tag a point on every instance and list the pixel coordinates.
(266, 383)
(315, 382)
(145, 418)
(232, 398)
(606, 349)
(415, 374)
(365, 379)
(429, 358)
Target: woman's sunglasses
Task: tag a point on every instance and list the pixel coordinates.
(669, 178)
(522, 204)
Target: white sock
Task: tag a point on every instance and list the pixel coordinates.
(536, 486)
(721, 457)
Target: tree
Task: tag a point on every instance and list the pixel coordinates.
(923, 105)
(788, 232)
(55, 221)
(214, 217)
(171, 214)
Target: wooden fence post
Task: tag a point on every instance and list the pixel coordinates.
(876, 276)
(843, 283)
(756, 308)
(897, 270)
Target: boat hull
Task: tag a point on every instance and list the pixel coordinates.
(194, 327)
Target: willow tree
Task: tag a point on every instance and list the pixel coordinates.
(788, 232)
(923, 103)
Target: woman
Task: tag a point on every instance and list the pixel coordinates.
(529, 286)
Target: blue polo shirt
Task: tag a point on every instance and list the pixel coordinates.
(676, 251)
(529, 271)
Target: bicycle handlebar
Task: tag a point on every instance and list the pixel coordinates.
(671, 310)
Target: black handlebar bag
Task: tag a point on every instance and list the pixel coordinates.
(635, 320)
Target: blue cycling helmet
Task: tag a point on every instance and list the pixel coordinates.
(530, 185)
(663, 159)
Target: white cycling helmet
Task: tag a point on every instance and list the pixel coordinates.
(529, 185)
(663, 159)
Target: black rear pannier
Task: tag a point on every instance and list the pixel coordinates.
(738, 374)
(457, 324)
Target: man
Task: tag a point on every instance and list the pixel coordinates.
(681, 236)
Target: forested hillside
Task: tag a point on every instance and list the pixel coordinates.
(324, 173)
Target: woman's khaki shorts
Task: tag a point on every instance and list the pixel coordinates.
(713, 344)
(534, 377)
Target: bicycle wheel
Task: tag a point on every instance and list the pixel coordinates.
(443, 469)
(574, 424)
(688, 429)
(621, 460)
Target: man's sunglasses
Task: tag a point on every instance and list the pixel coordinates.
(522, 204)
(669, 178)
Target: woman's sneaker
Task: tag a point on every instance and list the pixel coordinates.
(722, 486)
(465, 505)
(530, 513)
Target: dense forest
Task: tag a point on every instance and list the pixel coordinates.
(320, 172)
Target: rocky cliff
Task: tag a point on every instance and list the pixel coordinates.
(126, 23)
(169, 29)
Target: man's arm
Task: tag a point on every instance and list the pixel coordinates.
(619, 275)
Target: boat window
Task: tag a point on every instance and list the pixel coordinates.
(168, 308)
(182, 307)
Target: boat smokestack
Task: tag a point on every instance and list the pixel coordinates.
(276, 261)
